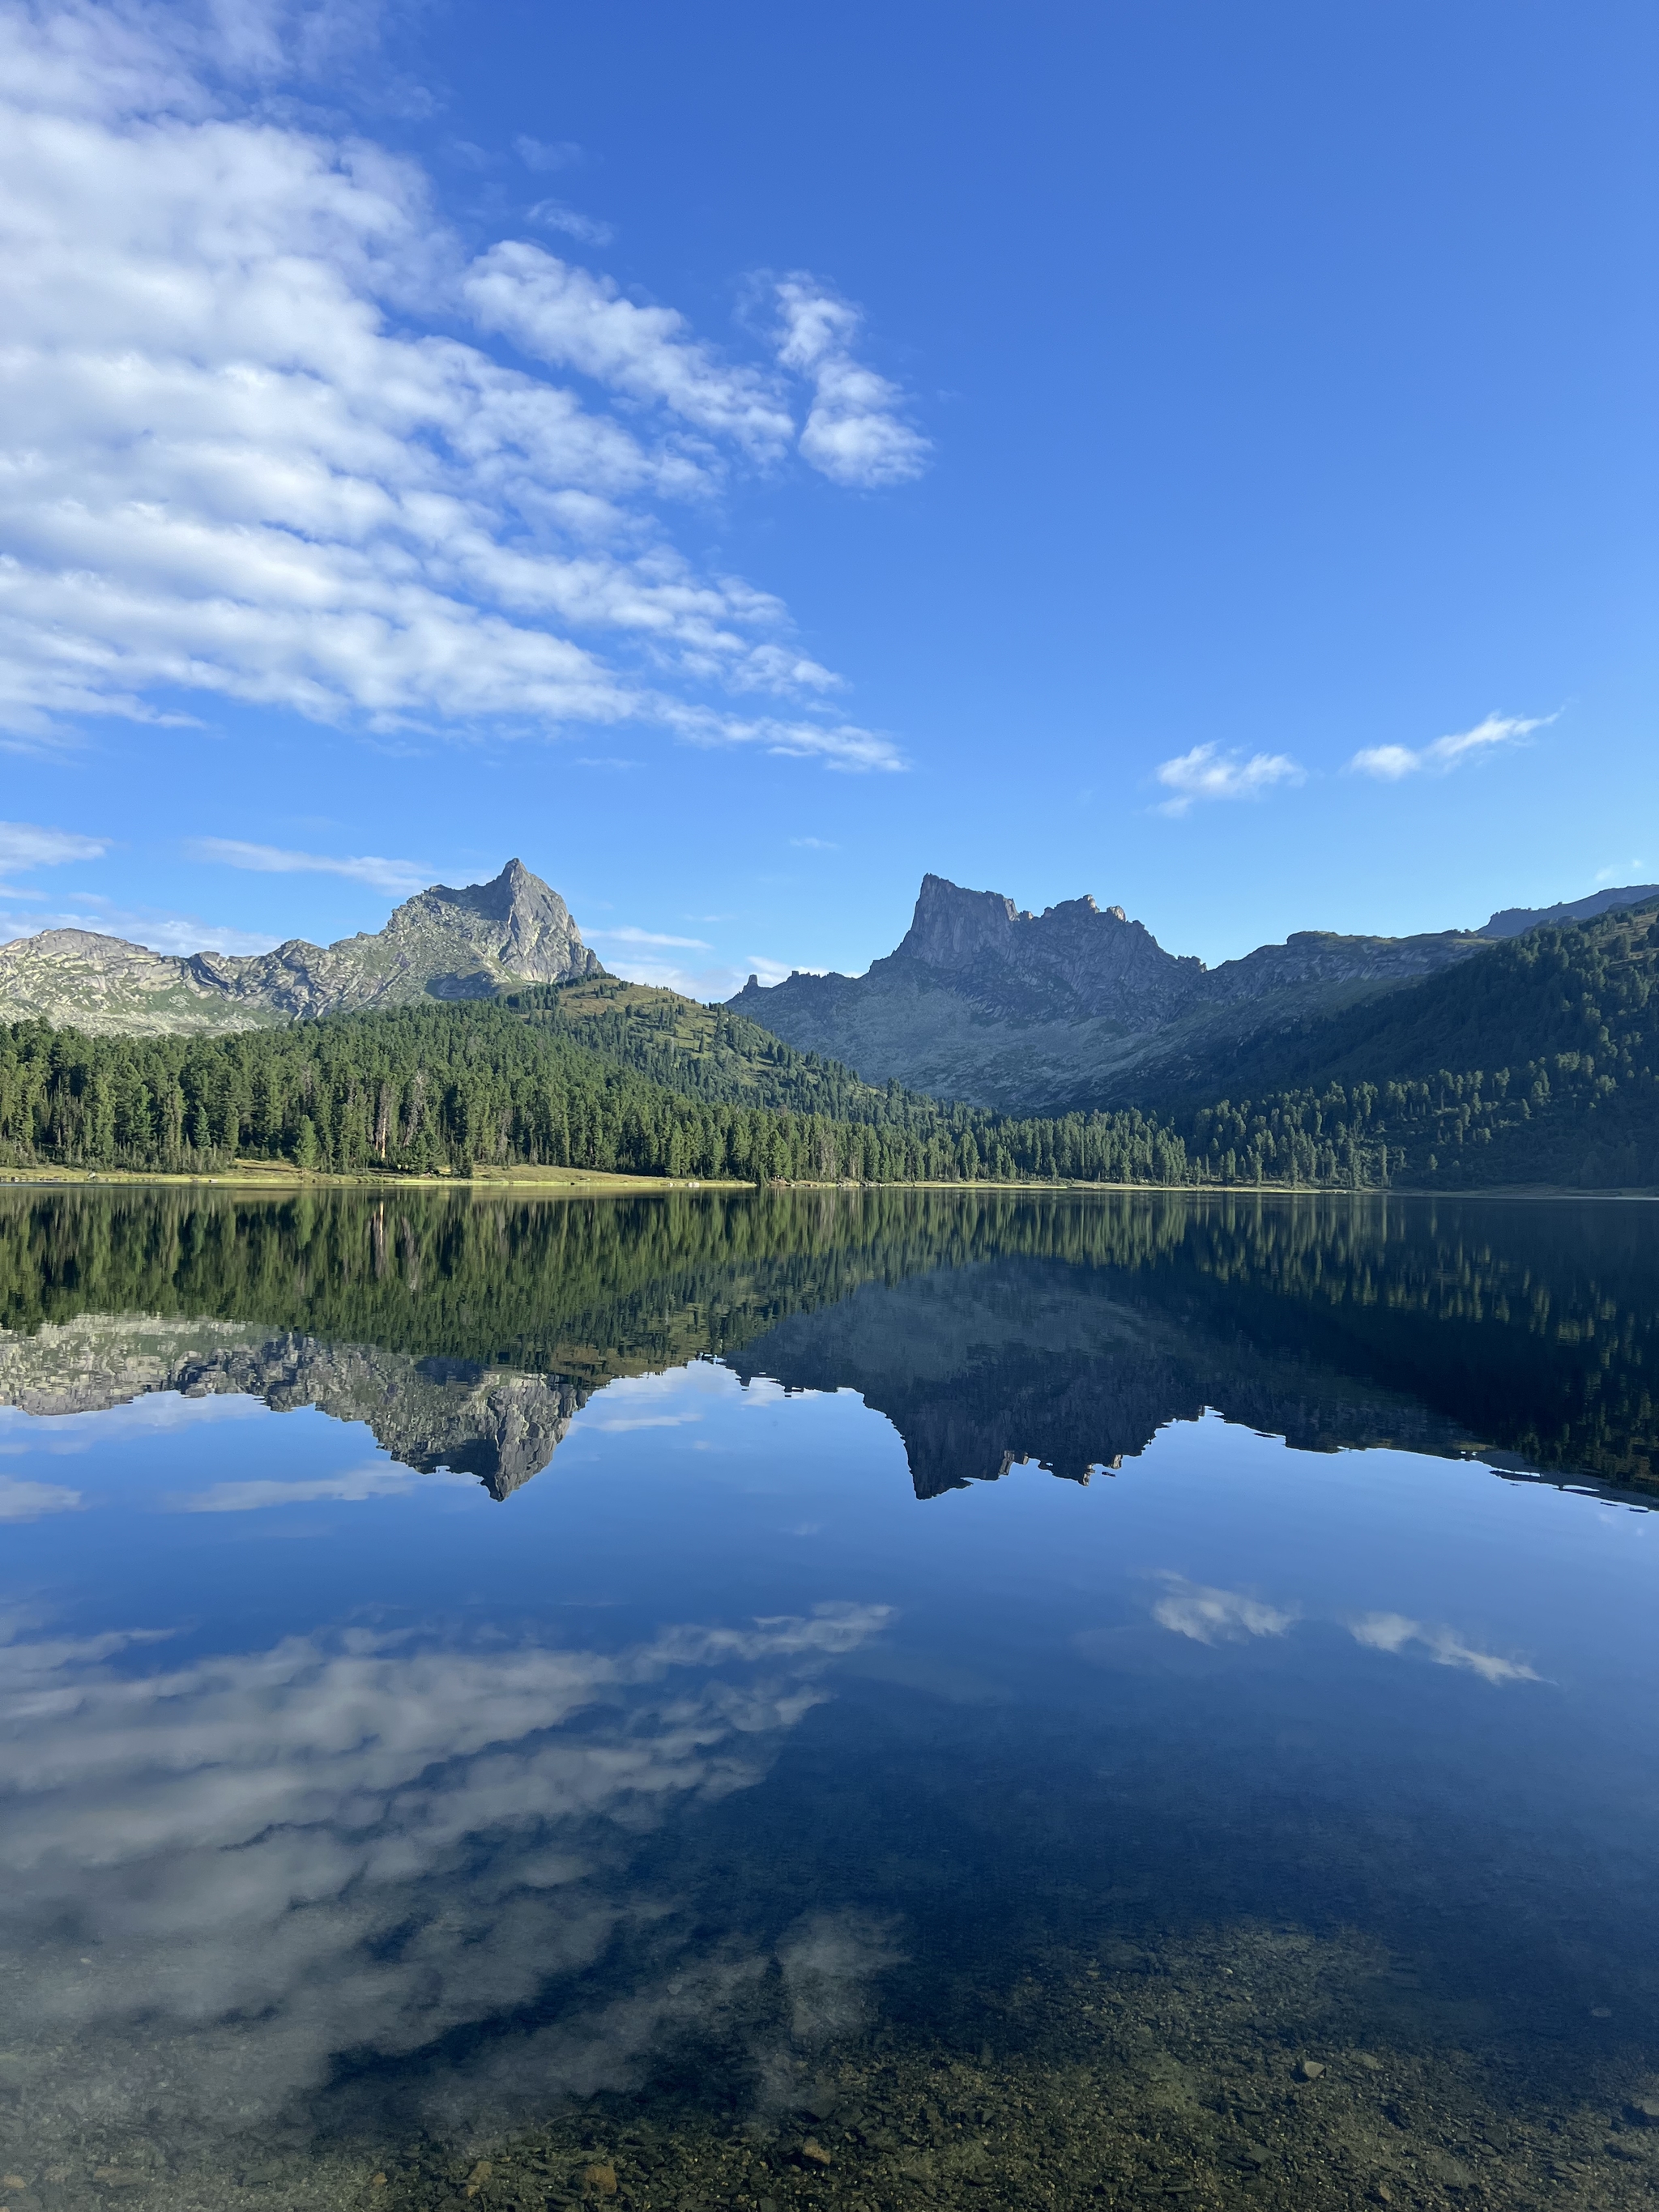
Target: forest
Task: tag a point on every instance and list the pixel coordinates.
(1535, 1063)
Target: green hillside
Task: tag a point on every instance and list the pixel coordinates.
(1536, 1062)
(447, 1088)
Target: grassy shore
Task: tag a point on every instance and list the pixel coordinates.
(280, 1177)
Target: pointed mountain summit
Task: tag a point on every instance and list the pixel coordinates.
(441, 944)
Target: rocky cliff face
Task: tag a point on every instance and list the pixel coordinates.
(441, 944)
(1077, 1004)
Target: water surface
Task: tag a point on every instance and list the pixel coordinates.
(827, 1698)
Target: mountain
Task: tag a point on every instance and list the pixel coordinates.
(1078, 1004)
(1516, 920)
(441, 944)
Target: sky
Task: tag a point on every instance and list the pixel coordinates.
(738, 459)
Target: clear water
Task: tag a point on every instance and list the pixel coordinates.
(826, 1699)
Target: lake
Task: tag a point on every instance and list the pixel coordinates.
(851, 1698)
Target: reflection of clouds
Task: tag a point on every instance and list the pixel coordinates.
(283, 1855)
(30, 1501)
(1216, 1616)
(353, 1485)
(1393, 1632)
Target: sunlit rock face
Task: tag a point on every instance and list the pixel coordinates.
(441, 944)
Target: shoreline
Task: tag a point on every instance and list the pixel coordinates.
(277, 1178)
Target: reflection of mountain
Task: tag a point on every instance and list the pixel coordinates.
(466, 1332)
(432, 1413)
(1020, 1360)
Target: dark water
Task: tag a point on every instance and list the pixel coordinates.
(826, 1701)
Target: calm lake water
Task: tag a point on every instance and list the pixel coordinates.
(830, 1700)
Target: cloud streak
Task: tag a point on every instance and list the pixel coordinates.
(26, 845)
(1207, 773)
(1394, 763)
(1208, 1615)
(400, 879)
(1395, 1633)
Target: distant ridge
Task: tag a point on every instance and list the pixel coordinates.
(441, 944)
(1516, 920)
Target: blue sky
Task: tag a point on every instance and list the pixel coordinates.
(739, 459)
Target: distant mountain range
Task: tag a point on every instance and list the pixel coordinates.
(441, 944)
(1081, 1005)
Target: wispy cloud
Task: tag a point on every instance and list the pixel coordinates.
(855, 432)
(815, 844)
(357, 1485)
(1394, 1633)
(160, 932)
(1207, 772)
(33, 1501)
(399, 878)
(626, 934)
(1392, 763)
(554, 214)
(1217, 1616)
(543, 155)
(26, 845)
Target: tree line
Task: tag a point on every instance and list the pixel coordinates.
(1565, 1091)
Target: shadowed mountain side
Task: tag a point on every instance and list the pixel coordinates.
(429, 1413)
(1023, 1012)
(986, 1368)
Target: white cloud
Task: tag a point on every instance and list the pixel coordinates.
(566, 316)
(31, 1501)
(26, 845)
(629, 935)
(1391, 763)
(1207, 772)
(246, 457)
(1393, 1632)
(855, 433)
(356, 1486)
(399, 878)
(161, 933)
(539, 155)
(1216, 1616)
(554, 214)
(815, 844)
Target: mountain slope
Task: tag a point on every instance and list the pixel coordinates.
(1536, 1062)
(441, 944)
(1029, 1013)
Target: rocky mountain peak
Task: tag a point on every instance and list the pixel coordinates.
(444, 943)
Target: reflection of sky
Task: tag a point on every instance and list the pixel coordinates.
(314, 1753)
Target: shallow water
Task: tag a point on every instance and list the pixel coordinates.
(835, 1699)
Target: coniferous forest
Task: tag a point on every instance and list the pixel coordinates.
(1537, 1062)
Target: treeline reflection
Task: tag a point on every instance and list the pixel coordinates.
(990, 1326)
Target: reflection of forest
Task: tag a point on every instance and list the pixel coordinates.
(989, 1327)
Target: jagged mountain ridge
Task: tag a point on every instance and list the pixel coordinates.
(1029, 1012)
(442, 943)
